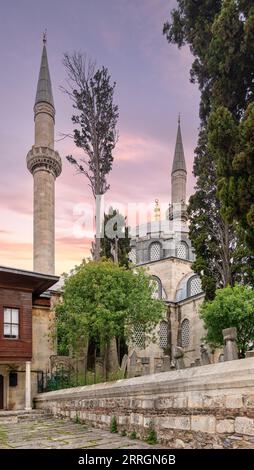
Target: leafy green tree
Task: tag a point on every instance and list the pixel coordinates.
(102, 300)
(232, 145)
(115, 242)
(95, 118)
(231, 307)
(219, 34)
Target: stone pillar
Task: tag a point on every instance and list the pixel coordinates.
(28, 386)
(166, 363)
(230, 346)
(178, 357)
(205, 360)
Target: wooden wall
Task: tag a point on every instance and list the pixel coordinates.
(16, 349)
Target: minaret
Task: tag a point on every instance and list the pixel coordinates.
(178, 178)
(45, 165)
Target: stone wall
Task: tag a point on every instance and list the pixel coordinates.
(201, 407)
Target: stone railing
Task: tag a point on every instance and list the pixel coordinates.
(201, 407)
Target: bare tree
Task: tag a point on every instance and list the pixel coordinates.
(95, 116)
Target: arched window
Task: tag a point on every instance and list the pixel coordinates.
(157, 294)
(182, 250)
(163, 334)
(155, 251)
(194, 286)
(139, 337)
(133, 255)
(185, 333)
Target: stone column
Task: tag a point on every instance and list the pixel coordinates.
(178, 357)
(204, 355)
(230, 346)
(28, 386)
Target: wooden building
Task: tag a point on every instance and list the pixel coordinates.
(25, 342)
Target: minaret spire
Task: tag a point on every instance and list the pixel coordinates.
(178, 176)
(44, 88)
(179, 159)
(45, 165)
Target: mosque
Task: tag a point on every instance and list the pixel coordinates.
(164, 248)
(26, 297)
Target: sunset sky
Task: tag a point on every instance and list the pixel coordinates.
(152, 88)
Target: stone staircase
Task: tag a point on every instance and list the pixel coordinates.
(16, 416)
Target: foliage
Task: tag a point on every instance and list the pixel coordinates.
(102, 300)
(191, 23)
(95, 119)
(133, 435)
(115, 241)
(220, 35)
(113, 425)
(152, 436)
(77, 419)
(232, 145)
(231, 307)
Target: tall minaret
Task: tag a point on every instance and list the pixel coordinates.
(45, 165)
(178, 177)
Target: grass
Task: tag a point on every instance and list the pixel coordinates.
(3, 436)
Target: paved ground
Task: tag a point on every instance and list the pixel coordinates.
(44, 432)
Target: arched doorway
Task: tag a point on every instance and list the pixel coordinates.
(1, 392)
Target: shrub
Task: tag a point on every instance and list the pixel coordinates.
(152, 437)
(113, 426)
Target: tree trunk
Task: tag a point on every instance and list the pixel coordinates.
(97, 248)
(112, 357)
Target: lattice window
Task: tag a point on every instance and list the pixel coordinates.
(164, 334)
(133, 256)
(182, 251)
(155, 251)
(139, 337)
(195, 286)
(185, 333)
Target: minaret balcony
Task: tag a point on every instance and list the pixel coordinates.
(178, 211)
(44, 159)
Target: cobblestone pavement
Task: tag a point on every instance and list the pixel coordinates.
(46, 432)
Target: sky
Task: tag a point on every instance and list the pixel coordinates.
(152, 88)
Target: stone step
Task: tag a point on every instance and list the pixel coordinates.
(14, 416)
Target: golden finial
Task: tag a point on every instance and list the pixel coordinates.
(157, 210)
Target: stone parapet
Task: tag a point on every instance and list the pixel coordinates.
(203, 407)
(44, 158)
